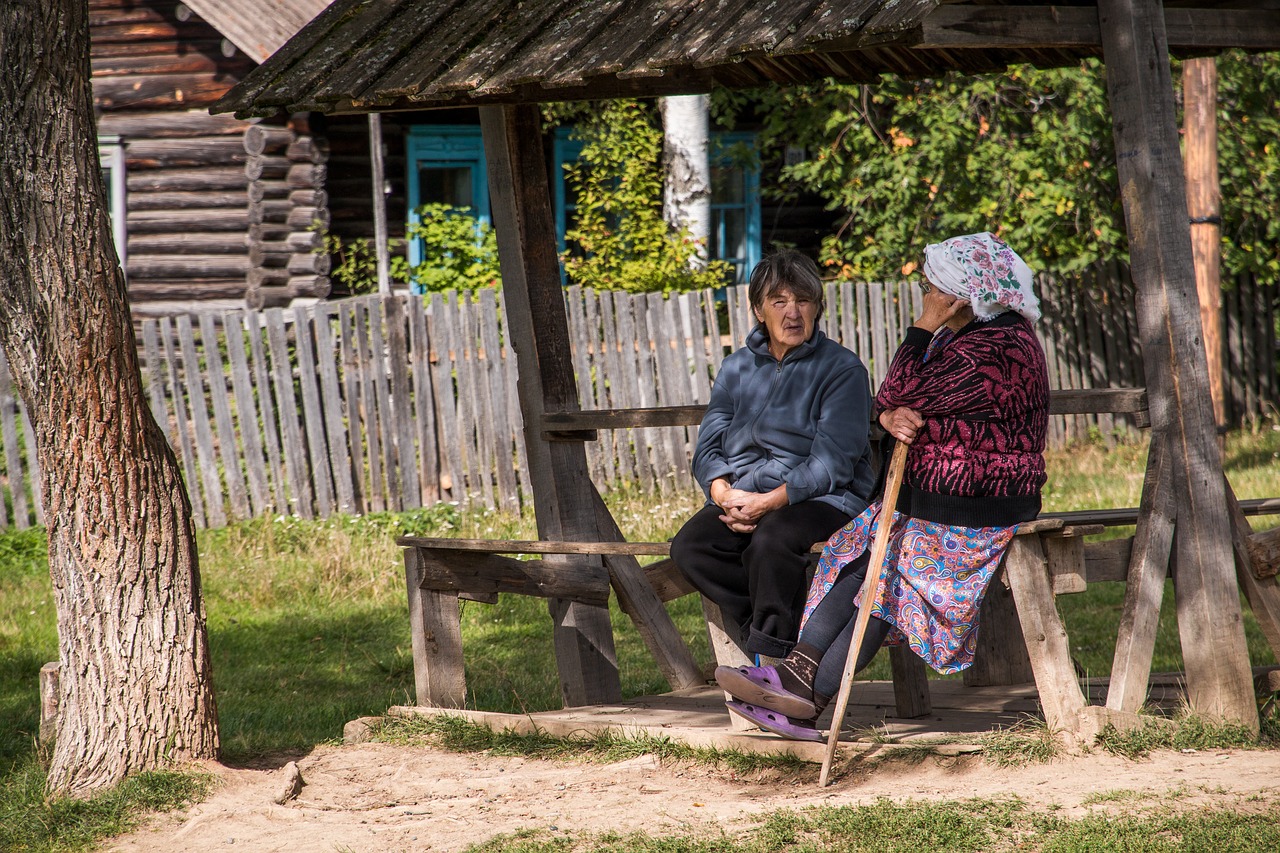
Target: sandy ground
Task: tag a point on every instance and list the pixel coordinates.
(384, 799)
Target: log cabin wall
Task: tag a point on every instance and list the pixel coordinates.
(156, 69)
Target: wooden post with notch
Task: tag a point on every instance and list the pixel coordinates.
(1149, 167)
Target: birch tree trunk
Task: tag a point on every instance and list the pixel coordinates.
(686, 202)
(135, 677)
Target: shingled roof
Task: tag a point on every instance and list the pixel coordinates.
(377, 55)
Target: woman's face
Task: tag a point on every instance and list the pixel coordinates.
(788, 319)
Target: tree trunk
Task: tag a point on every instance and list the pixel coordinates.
(136, 691)
(686, 203)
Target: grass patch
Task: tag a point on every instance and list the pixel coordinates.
(1189, 732)
(31, 823)
(957, 826)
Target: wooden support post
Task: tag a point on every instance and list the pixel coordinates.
(436, 631)
(1204, 207)
(1044, 635)
(1148, 568)
(1001, 655)
(910, 683)
(538, 327)
(1135, 49)
(726, 653)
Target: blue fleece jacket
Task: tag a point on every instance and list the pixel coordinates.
(802, 421)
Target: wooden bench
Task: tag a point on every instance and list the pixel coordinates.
(1022, 637)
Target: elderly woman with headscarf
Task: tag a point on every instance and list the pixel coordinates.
(783, 455)
(968, 391)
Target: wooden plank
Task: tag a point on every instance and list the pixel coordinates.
(33, 464)
(910, 683)
(1147, 569)
(726, 652)
(655, 346)
(611, 305)
(453, 476)
(632, 393)
(409, 494)
(190, 472)
(1064, 556)
(312, 416)
(511, 395)
(348, 347)
(267, 410)
(582, 360)
(538, 330)
(1044, 635)
(228, 444)
(14, 469)
(1261, 593)
(475, 402)
(1149, 168)
(435, 629)
(424, 410)
(1001, 656)
(255, 463)
(879, 333)
(582, 580)
(295, 454)
(377, 365)
(375, 490)
(501, 451)
(327, 359)
(596, 336)
(153, 369)
(206, 456)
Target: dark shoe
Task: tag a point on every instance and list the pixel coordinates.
(779, 724)
(759, 685)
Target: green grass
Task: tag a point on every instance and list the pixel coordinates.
(308, 628)
(943, 827)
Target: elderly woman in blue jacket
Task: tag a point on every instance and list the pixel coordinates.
(783, 457)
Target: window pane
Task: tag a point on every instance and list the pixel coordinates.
(445, 185)
(727, 185)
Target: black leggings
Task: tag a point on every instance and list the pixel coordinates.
(829, 629)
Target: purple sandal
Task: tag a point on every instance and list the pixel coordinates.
(760, 685)
(779, 724)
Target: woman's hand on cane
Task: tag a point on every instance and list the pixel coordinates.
(902, 423)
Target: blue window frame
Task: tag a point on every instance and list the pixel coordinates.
(446, 166)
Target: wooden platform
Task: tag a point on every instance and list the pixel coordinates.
(697, 716)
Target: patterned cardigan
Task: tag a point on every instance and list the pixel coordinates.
(984, 395)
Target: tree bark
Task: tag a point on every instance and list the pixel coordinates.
(686, 202)
(136, 692)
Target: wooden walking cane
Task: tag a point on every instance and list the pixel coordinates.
(870, 592)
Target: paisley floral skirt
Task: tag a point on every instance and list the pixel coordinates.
(936, 578)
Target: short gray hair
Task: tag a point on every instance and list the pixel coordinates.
(787, 268)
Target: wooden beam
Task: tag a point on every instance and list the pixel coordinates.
(1204, 207)
(538, 330)
(583, 581)
(1147, 568)
(971, 27)
(1149, 167)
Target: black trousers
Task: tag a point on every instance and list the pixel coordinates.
(829, 631)
(759, 579)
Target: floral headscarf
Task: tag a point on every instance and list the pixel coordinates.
(982, 269)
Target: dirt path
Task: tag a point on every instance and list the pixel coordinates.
(386, 799)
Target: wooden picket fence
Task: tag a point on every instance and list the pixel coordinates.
(371, 404)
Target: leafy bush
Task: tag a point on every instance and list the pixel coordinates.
(459, 252)
(619, 240)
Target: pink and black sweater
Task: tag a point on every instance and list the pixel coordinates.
(984, 396)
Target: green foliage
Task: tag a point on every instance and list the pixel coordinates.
(1028, 154)
(459, 252)
(619, 239)
(30, 822)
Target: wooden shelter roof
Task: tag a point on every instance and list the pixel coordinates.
(257, 27)
(379, 55)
